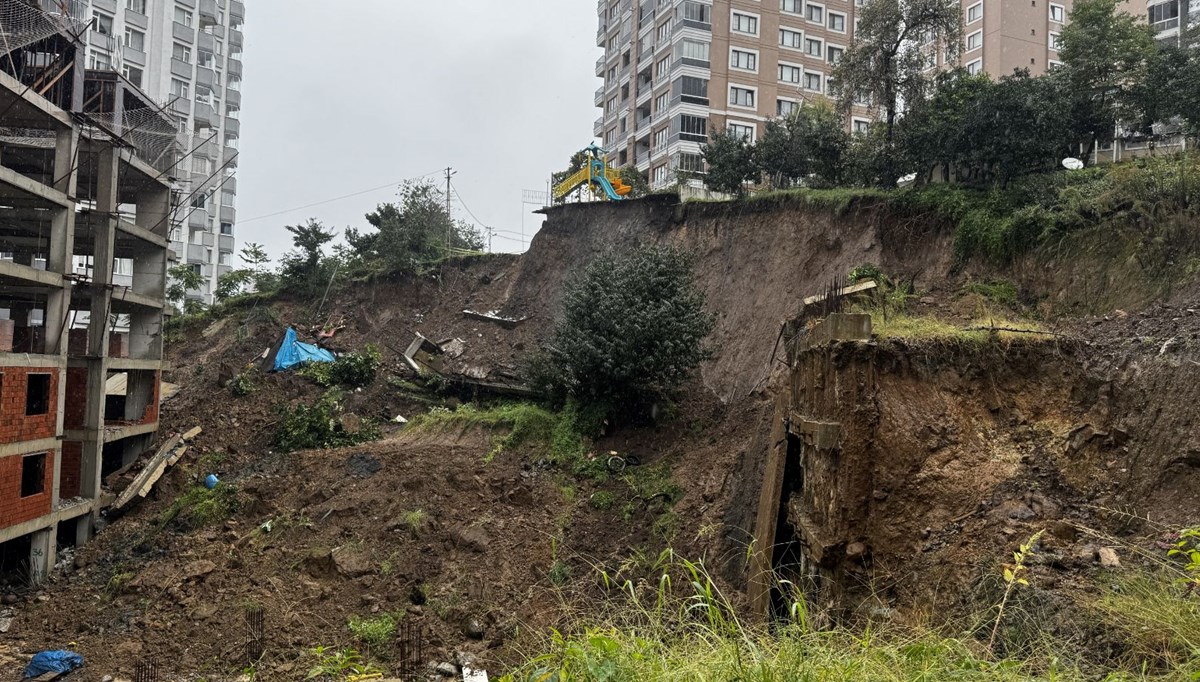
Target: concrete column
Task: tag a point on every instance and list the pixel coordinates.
(41, 554)
(154, 209)
(60, 257)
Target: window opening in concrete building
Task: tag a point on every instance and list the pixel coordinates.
(33, 475)
(37, 395)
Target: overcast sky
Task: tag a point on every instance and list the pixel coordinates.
(342, 97)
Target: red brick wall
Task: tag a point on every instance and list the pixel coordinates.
(70, 478)
(75, 407)
(14, 425)
(151, 414)
(15, 509)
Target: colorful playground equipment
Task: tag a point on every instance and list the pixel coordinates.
(596, 175)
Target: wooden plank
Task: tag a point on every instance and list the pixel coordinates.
(844, 291)
(153, 469)
(193, 433)
(177, 455)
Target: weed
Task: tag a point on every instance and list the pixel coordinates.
(602, 500)
(339, 663)
(350, 370)
(1014, 575)
(415, 519)
(1000, 292)
(244, 383)
(568, 493)
(559, 573)
(116, 584)
(1188, 549)
(376, 633)
(666, 527)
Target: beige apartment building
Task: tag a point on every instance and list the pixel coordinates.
(675, 70)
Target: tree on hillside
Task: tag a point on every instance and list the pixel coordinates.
(184, 278)
(253, 277)
(885, 64)
(573, 167)
(305, 270)
(933, 134)
(730, 161)
(412, 232)
(807, 147)
(631, 332)
(632, 177)
(1105, 54)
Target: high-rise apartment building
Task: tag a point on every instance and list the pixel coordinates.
(1001, 37)
(1174, 20)
(186, 54)
(674, 70)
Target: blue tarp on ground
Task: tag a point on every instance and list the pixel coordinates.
(53, 662)
(292, 353)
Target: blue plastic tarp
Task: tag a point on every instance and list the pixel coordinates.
(292, 353)
(53, 662)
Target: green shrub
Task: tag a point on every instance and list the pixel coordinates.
(377, 633)
(200, 507)
(244, 383)
(351, 370)
(560, 573)
(631, 332)
(602, 500)
(306, 427)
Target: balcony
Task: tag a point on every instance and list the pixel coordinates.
(181, 69)
(233, 67)
(136, 19)
(232, 126)
(600, 96)
(185, 34)
(235, 38)
(204, 114)
(198, 220)
(226, 243)
(237, 11)
(206, 41)
(181, 106)
(598, 127)
(196, 253)
(229, 158)
(228, 184)
(204, 77)
(208, 12)
(233, 97)
(205, 148)
(228, 214)
(133, 56)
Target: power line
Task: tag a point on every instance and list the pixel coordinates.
(330, 201)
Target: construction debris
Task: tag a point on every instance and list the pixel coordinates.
(167, 456)
(428, 359)
(494, 316)
(844, 291)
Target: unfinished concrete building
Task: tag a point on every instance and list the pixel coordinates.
(85, 158)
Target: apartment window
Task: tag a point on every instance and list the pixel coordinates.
(1158, 13)
(693, 49)
(815, 13)
(814, 47)
(790, 38)
(693, 88)
(132, 74)
(200, 165)
(102, 23)
(792, 6)
(785, 108)
(693, 128)
(789, 73)
(975, 41)
(1058, 13)
(197, 268)
(661, 138)
(99, 62)
(135, 39)
(37, 394)
(691, 163)
(975, 12)
(182, 53)
(664, 66)
(695, 11)
(860, 126)
(744, 23)
(612, 105)
(227, 229)
(812, 81)
(741, 97)
(182, 16)
(138, 6)
(662, 102)
(837, 22)
(741, 59)
(219, 48)
(180, 89)
(746, 132)
(834, 54)
(33, 475)
(1055, 40)
(975, 67)
(664, 32)
(660, 175)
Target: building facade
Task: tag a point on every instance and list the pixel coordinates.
(1174, 20)
(83, 160)
(674, 70)
(186, 54)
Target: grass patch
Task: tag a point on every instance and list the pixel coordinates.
(913, 327)
(200, 507)
(563, 438)
(602, 500)
(306, 427)
(1160, 621)
(1000, 292)
(376, 633)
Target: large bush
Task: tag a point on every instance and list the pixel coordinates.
(632, 331)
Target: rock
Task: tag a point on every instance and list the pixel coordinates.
(473, 629)
(319, 563)
(856, 550)
(106, 678)
(10, 599)
(351, 423)
(198, 569)
(446, 669)
(6, 622)
(880, 495)
(473, 538)
(1109, 558)
(350, 563)
(415, 610)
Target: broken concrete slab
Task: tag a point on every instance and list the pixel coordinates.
(839, 327)
(844, 291)
(496, 318)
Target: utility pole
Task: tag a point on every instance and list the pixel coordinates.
(449, 216)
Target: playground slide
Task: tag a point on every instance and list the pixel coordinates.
(614, 193)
